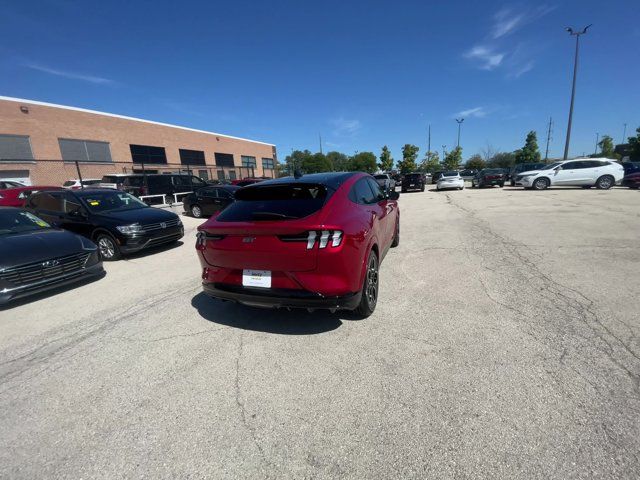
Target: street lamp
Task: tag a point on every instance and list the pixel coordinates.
(459, 120)
(597, 139)
(573, 88)
(443, 152)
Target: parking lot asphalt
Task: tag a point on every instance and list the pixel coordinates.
(505, 344)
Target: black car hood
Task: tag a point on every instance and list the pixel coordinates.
(138, 215)
(41, 245)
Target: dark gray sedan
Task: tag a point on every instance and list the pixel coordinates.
(35, 257)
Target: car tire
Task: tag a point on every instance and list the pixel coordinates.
(540, 183)
(370, 287)
(108, 247)
(404, 190)
(196, 211)
(422, 189)
(501, 185)
(396, 237)
(512, 183)
(605, 182)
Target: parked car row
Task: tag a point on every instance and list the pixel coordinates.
(315, 241)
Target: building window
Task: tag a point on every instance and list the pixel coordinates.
(203, 174)
(267, 163)
(84, 151)
(232, 174)
(191, 157)
(224, 159)
(248, 161)
(147, 154)
(15, 147)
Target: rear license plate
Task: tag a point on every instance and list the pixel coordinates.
(256, 278)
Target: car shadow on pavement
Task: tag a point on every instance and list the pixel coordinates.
(152, 250)
(278, 320)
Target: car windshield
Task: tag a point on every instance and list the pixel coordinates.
(413, 176)
(380, 177)
(492, 171)
(108, 201)
(450, 174)
(18, 221)
(275, 202)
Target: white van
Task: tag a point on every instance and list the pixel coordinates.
(602, 173)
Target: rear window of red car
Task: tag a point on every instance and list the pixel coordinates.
(275, 202)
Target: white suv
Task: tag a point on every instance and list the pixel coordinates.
(580, 172)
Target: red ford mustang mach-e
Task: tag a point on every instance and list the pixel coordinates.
(311, 241)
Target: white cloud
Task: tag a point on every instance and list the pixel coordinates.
(522, 69)
(345, 127)
(488, 58)
(71, 75)
(505, 22)
(477, 112)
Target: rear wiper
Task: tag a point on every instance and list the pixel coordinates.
(272, 214)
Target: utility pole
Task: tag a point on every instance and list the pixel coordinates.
(444, 152)
(573, 88)
(320, 137)
(546, 154)
(459, 120)
(597, 140)
(624, 134)
(429, 145)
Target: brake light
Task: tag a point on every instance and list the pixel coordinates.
(324, 237)
(203, 237)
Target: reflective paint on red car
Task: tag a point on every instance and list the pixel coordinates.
(316, 261)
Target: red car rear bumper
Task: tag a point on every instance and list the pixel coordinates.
(280, 297)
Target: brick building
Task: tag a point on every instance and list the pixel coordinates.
(41, 142)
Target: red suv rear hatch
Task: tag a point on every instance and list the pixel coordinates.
(266, 228)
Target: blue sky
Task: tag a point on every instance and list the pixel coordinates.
(363, 74)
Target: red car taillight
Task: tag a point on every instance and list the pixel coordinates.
(203, 237)
(323, 238)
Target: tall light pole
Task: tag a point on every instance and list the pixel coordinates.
(546, 155)
(573, 88)
(624, 133)
(597, 139)
(444, 152)
(459, 120)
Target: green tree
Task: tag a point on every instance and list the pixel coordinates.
(606, 147)
(364, 162)
(386, 160)
(502, 160)
(634, 147)
(316, 163)
(339, 161)
(529, 153)
(475, 162)
(453, 159)
(296, 160)
(430, 164)
(409, 156)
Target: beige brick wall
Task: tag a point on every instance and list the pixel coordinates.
(45, 124)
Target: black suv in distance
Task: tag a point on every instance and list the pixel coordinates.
(413, 181)
(154, 184)
(209, 200)
(116, 221)
(488, 177)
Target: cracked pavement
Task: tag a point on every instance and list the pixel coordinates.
(506, 344)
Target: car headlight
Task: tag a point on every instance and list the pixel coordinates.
(130, 229)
